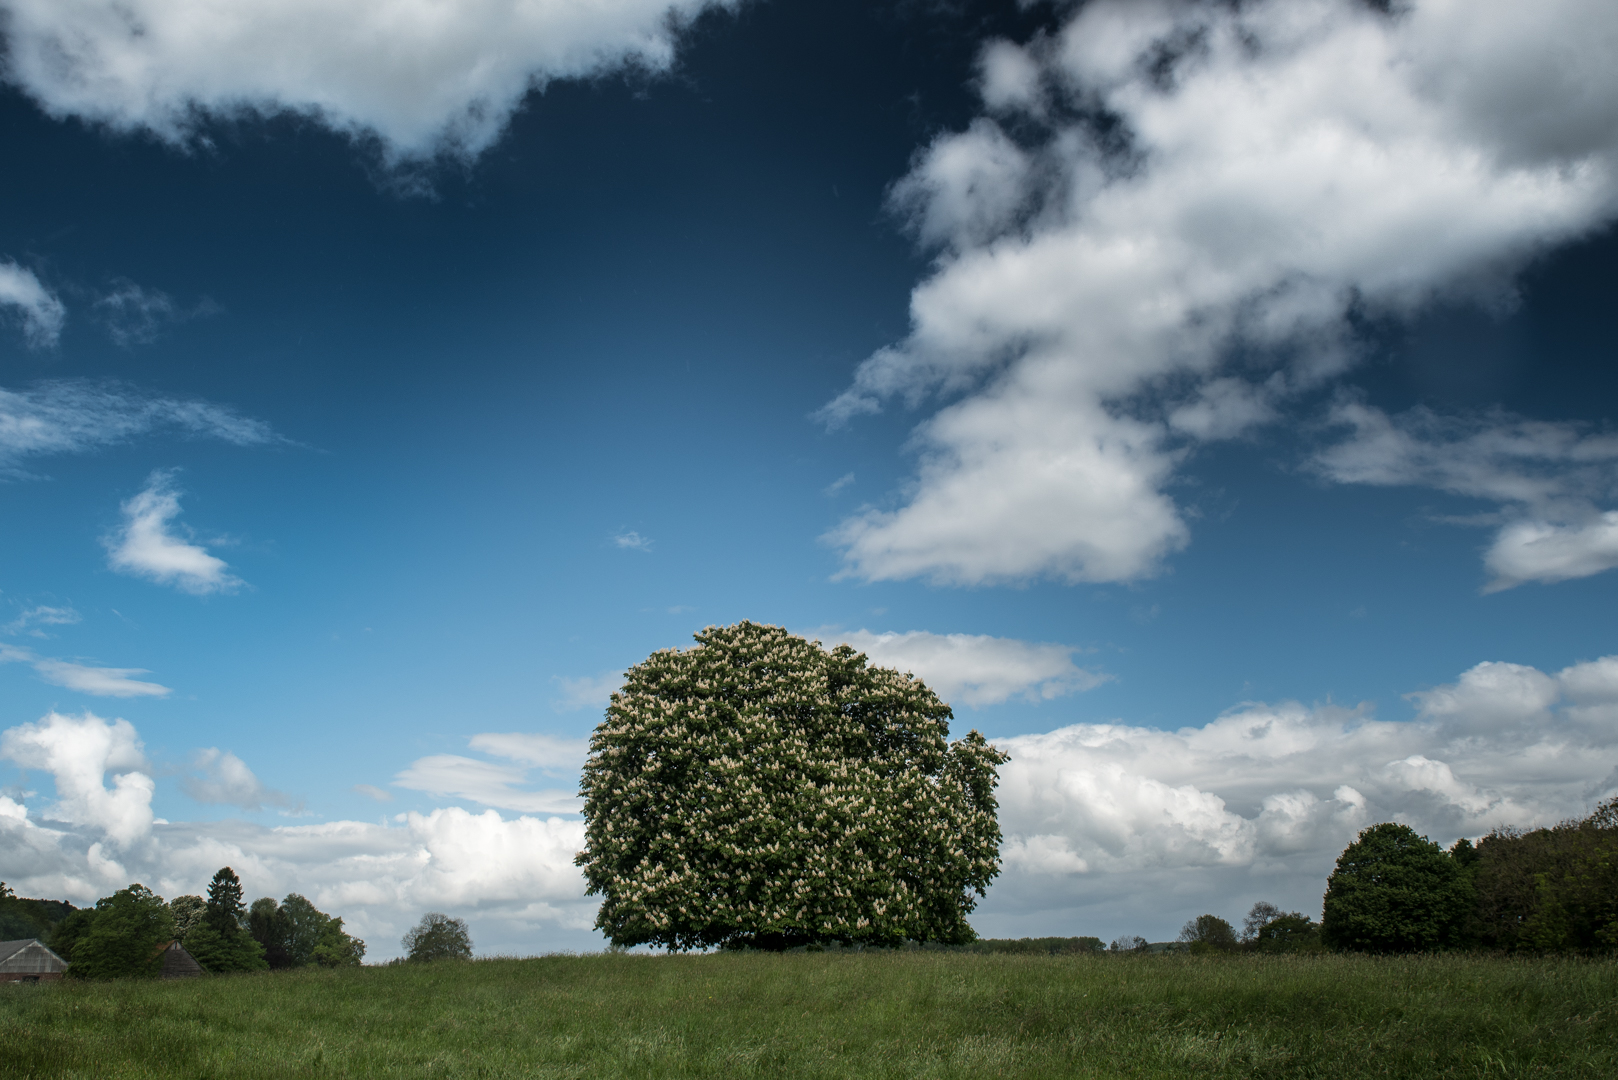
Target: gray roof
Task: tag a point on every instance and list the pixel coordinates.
(28, 956)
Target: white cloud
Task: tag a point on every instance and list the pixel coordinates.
(974, 669)
(588, 692)
(74, 416)
(79, 752)
(1104, 306)
(1545, 478)
(419, 77)
(496, 785)
(1132, 823)
(226, 779)
(134, 315)
(633, 541)
(514, 878)
(42, 314)
(43, 615)
(99, 681)
(370, 791)
(147, 547)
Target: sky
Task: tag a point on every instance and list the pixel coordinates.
(1213, 403)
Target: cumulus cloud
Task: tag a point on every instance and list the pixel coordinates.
(587, 692)
(79, 752)
(513, 877)
(1110, 295)
(1258, 803)
(974, 669)
(67, 416)
(85, 678)
(1545, 479)
(223, 778)
(147, 546)
(632, 541)
(421, 78)
(494, 784)
(38, 309)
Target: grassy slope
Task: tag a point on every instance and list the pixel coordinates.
(908, 1014)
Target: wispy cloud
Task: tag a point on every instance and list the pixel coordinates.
(135, 315)
(485, 782)
(372, 792)
(1110, 295)
(41, 313)
(633, 541)
(975, 669)
(85, 678)
(838, 484)
(589, 692)
(1546, 481)
(545, 752)
(32, 619)
(75, 416)
(147, 546)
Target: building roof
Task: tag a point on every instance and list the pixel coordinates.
(29, 956)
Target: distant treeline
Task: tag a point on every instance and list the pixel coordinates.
(124, 934)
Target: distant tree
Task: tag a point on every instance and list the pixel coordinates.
(438, 937)
(1128, 943)
(221, 942)
(272, 929)
(64, 936)
(1260, 916)
(24, 918)
(1394, 891)
(760, 791)
(1207, 934)
(338, 948)
(1269, 929)
(124, 939)
(1549, 890)
(187, 912)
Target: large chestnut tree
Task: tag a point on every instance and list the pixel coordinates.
(759, 790)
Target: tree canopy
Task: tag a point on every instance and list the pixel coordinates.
(121, 937)
(1394, 890)
(759, 790)
(1208, 933)
(438, 937)
(1549, 890)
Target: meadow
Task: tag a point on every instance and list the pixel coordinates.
(838, 1014)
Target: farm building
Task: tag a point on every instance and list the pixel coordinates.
(179, 964)
(27, 960)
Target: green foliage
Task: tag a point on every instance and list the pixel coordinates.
(306, 923)
(840, 1015)
(759, 791)
(1550, 890)
(65, 934)
(24, 918)
(438, 937)
(224, 911)
(187, 912)
(1269, 929)
(123, 939)
(1394, 891)
(1129, 943)
(220, 941)
(1208, 933)
(272, 929)
(337, 948)
(1044, 946)
(220, 953)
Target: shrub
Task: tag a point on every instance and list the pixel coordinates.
(438, 937)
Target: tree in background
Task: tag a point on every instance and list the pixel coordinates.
(1549, 890)
(1269, 929)
(221, 943)
(295, 933)
(123, 937)
(759, 791)
(1207, 934)
(187, 912)
(438, 937)
(1394, 891)
(23, 918)
(1128, 943)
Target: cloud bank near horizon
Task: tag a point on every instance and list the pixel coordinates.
(420, 79)
(1108, 296)
(1111, 827)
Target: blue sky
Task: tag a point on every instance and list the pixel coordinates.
(1225, 430)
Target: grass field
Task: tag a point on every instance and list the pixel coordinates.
(872, 1014)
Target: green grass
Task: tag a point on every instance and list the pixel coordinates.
(872, 1014)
